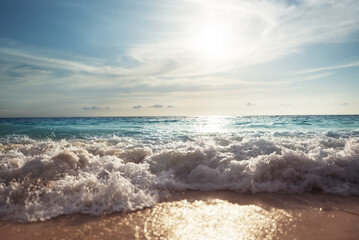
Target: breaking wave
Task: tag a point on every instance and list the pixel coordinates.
(44, 178)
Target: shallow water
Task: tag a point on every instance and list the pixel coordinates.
(55, 166)
(210, 215)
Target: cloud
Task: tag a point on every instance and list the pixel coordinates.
(345, 104)
(156, 106)
(21, 56)
(250, 104)
(349, 65)
(254, 32)
(94, 108)
(310, 77)
(14, 74)
(259, 32)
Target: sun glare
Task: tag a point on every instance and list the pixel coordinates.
(212, 40)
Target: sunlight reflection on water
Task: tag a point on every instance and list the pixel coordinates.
(217, 124)
(215, 219)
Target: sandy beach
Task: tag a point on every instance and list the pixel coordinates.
(210, 215)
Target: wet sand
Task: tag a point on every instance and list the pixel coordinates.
(210, 215)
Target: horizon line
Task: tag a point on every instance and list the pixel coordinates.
(181, 116)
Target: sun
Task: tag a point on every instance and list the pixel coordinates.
(212, 40)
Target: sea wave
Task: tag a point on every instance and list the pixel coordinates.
(42, 179)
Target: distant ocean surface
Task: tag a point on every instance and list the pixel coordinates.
(55, 166)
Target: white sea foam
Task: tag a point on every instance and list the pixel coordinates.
(43, 179)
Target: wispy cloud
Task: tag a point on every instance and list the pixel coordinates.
(309, 77)
(20, 56)
(261, 30)
(137, 107)
(249, 104)
(313, 70)
(11, 73)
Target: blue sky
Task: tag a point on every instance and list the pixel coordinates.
(189, 57)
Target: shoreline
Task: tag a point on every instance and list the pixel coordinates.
(210, 215)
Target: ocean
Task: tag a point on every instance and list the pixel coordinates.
(64, 166)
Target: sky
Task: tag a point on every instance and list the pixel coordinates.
(183, 57)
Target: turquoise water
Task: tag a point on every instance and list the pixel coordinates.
(167, 127)
(55, 166)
